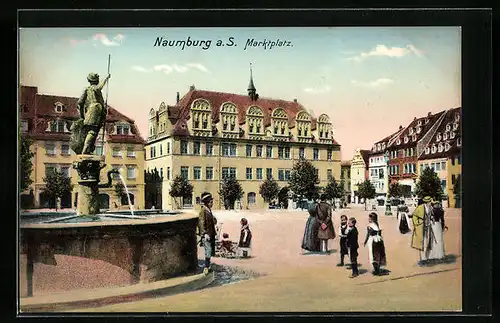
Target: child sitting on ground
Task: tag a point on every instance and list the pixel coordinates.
(226, 243)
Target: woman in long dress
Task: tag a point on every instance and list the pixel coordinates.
(436, 252)
(376, 248)
(310, 242)
(403, 219)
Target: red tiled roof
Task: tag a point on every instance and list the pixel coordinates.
(425, 127)
(454, 148)
(242, 102)
(42, 106)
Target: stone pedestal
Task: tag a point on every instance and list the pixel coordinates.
(89, 169)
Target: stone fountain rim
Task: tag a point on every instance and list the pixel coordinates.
(163, 219)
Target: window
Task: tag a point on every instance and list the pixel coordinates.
(65, 171)
(406, 171)
(269, 151)
(453, 179)
(185, 172)
(453, 161)
(419, 129)
(228, 149)
(259, 150)
(251, 198)
(440, 147)
(443, 184)
(24, 126)
(443, 165)
(445, 136)
(459, 142)
(50, 149)
(281, 152)
(438, 137)
(161, 172)
(197, 173)
(184, 147)
(98, 151)
(168, 173)
(209, 148)
(197, 148)
(118, 153)
(452, 135)
(249, 150)
(455, 126)
(315, 153)
(64, 149)
(357, 171)
(412, 152)
(380, 173)
(398, 142)
(131, 152)
(209, 173)
(448, 127)
(287, 152)
(258, 173)
(57, 126)
(152, 152)
(228, 172)
(281, 174)
(438, 167)
(329, 174)
(406, 139)
(434, 148)
(249, 173)
(161, 151)
(130, 172)
(302, 152)
(421, 168)
(168, 148)
(287, 174)
(329, 154)
(269, 173)
(122, 129)
(414, 137)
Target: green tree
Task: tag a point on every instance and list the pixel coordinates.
(180, 189)
(304, 180)
(26, 167)
(406, 191)
(231, 191)
(333, 190)
(283, 196)
(395, 190)
(269, 189)
(56, 185)
(457, 191)
(429, 184)
(366, 190)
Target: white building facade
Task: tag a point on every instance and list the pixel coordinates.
(377, 172)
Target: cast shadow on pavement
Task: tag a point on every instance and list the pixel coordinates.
(329, 252)
(448, 259)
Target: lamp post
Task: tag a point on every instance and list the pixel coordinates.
(387, 202)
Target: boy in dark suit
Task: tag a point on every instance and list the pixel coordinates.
(352, 245)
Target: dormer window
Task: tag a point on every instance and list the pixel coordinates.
(452, 135)
(24, 126)
(201, 116)
(440, 147)
(427, 150)
(419, 123)
(457, 117)
(411, 131)
(378, 147)
(383, 145)
(445, 136)
(438, 137)
(58, 107)
(58, 126)
(434, 148)
(419, 129)
(414, 137)
(459, 142)
(448, 127)
(406, 139)
(447, 146)
(398, 142)
(455, 126)
(122, 129)
(426, 121)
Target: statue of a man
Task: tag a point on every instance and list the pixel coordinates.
(93, 113)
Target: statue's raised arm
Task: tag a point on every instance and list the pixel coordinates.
(101, 85)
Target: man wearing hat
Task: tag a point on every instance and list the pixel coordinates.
(93, 113)
(206, 228)
(423, 238)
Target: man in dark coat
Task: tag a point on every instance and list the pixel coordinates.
(206, 228)
(324, 218)
(352, 246)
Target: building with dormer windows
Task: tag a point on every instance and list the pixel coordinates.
(207, 136)
(47, 120)
(359, 171)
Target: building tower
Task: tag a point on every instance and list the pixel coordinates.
(252, 92)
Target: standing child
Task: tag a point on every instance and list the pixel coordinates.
(352, 245)
(245, 238)
(376, 248)
(343, 239)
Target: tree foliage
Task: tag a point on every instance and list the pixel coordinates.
(26, 165)
(366, 190)
(283, 196)
(56, 185)
(269, 189)
(231, 191)
(429, 184)
(406, 191)
(304, 180)
(181, 188)
(333, 190)
(395, 190)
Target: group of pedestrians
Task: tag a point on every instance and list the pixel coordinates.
(319, 229)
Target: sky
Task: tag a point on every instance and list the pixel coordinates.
(368, 80)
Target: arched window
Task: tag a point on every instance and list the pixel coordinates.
(201, 116)
(303, 121)
(229, 118)
(324, 127)
(438, 137)
(251, 198)
(255, 120)
(280, 122)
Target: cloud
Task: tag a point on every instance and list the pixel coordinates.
(167, 69)
(382, 50)
(323, 89)
(75, 42)
(378, 83)
(99, 38)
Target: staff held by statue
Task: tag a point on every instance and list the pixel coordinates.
(105, 108)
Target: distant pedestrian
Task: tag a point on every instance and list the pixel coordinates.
(352, 245)
(344, 227)
(376, 248)
(206, 228)
(245, 242)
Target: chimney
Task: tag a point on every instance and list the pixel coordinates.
(400, 127)
(191, 88)
(177, 99)
(295, 100)
(429, 114)
(415, 118)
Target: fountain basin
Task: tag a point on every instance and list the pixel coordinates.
(149, 248)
